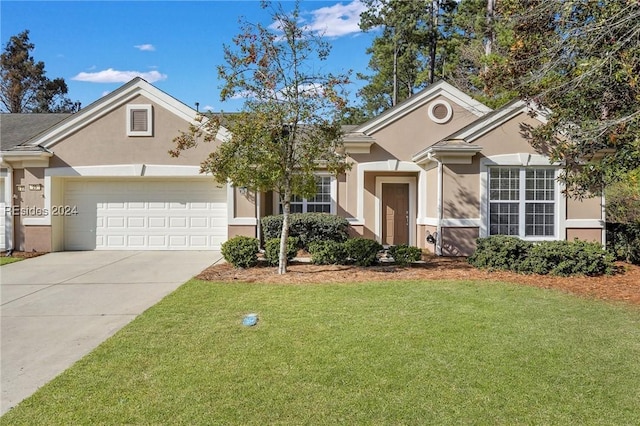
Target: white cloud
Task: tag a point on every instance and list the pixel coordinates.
(145, 47)
(337, 20)
(114, 76)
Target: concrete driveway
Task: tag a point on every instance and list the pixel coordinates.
(58, 307)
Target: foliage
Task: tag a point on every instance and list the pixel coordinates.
(362, 251)
(405, 56)
(501, 252)
(289, 126)
(543, 257)
(588, 74)
(566, 258)
(241, 251)
(623, 241)
(328, 253)
(308, 227)
(24, 86)
(403, 254)
(272, 250)
(478, 48)
(623, 199)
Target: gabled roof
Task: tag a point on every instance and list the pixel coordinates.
(495, 119)
(16, 129)
(463, 139)
(109, 103)
(440, 88)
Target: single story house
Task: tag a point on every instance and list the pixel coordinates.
(436, 171)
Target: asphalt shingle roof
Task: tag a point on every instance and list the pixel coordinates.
(16, 129)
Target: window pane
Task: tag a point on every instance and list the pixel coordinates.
(503, 218)
(540, 184)
(504, 184)
(540, 219)
(321, 202)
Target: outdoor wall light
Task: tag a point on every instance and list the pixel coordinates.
(35, 187)
(243, 190)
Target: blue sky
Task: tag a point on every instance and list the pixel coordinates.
(97, 46)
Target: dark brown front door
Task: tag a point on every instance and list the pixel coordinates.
(395, 213)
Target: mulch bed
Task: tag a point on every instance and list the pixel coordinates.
(23, 254)
(623, 286)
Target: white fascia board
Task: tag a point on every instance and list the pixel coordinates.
(440, 88)
(483, 126)
(111, 102)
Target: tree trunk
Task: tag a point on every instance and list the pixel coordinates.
(286, 208)
(490, 32)
(433, 48)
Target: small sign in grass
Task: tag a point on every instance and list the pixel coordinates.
(441, 352)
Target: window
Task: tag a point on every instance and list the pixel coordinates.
(139, 120)
(440, 111)
(320, 203)
(522, 201)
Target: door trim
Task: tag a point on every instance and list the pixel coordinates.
(412, 205)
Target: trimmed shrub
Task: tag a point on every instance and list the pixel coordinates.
(308, 227)
(272, 250)
(500, 252)
(362, 252)
(327, 253)
(241, 252)
(403, 254)
(545, 257)
(568, 258)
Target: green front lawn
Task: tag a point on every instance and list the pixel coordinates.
(4, 260)
(441, 352)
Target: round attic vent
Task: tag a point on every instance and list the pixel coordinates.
(440, 111)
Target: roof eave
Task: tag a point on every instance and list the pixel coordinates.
(447, 154)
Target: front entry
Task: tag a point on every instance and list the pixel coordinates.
(395, 213)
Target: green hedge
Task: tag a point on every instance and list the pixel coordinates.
(308, 227)
(403, 254)
(241, 252)
(272, 250)
(500, 252)
(362, 252)
(328, 253)
(545, 257)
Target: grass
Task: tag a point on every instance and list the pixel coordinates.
(442, 352)
(4, 260)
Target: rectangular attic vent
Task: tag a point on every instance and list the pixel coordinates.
(139, 120)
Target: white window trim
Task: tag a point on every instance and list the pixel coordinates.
(149, 109)
(333, 209)
(521, 160)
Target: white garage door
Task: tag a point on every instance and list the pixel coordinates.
(144, 214)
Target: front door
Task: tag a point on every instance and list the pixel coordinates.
(395, 213)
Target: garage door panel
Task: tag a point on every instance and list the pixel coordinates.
(145, 214)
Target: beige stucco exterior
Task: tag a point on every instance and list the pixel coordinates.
(441, 157)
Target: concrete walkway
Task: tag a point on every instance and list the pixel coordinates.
(58, 307)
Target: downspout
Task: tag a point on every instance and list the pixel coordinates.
(439, 206)
(8, 230)
(258, 226)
